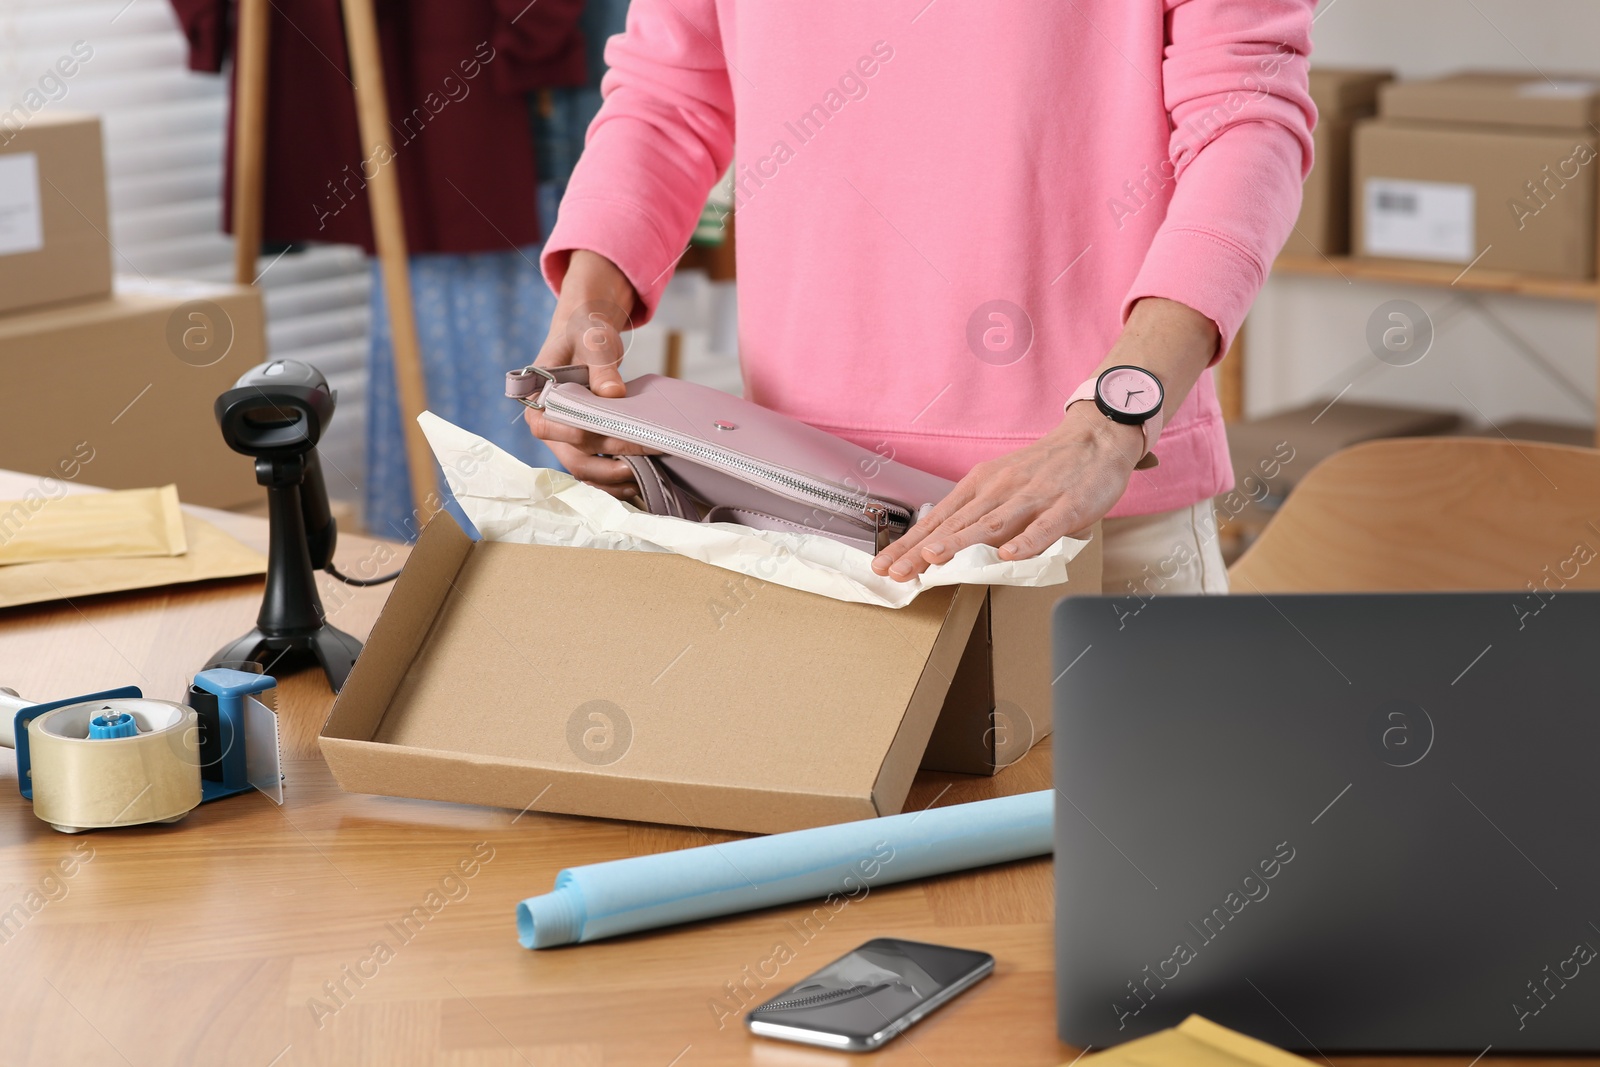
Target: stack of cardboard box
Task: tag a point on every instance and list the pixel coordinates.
(1495, 170)
(1343, 97)
(1491, 170)
(110, 384)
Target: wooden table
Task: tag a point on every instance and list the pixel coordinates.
(249, 934)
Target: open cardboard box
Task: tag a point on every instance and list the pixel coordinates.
(653, 687)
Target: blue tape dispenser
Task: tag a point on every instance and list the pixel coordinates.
(115, 758)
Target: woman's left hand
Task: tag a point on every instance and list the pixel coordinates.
(1025, 501)
(1068, 480)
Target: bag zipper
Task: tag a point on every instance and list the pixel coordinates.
(880, 516)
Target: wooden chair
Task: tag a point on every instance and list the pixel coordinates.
(1434, 513)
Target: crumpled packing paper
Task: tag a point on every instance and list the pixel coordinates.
(507, 500)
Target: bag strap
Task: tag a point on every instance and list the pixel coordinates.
(659, 493)
(526, 384)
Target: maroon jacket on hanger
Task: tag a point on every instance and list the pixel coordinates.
(455, 72)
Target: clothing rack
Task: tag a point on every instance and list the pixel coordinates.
(388, 219)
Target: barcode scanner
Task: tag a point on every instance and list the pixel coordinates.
(277, 413)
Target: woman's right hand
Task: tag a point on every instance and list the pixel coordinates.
(593, 309)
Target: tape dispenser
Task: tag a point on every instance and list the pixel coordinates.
(118, 759)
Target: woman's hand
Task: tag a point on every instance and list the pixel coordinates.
(1026, 500)
(591, 313)
(1070, 478)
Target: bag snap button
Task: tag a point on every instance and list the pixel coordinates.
(719, 424)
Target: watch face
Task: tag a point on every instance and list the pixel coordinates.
(1130, 392)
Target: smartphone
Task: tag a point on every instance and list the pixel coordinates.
(859, 1001)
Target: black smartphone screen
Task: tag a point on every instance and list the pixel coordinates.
(861, 999)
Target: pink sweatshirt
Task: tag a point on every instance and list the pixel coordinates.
(946, 207)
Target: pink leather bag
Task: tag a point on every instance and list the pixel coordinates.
(723, 459)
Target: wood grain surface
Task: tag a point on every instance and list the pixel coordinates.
(1435, 513)
(342, 929)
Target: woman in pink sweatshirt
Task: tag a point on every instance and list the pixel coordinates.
(953, 216)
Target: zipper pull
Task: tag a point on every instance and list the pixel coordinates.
(878, 516)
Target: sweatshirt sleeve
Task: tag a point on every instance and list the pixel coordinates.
(1235, 83)
(661, 140)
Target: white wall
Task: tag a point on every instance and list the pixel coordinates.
(1307, 335)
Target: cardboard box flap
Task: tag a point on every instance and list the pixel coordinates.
(396, 637)
(927, 701)
(632, 683)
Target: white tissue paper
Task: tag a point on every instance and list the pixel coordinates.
(507, 500)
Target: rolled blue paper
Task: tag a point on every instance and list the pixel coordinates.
(644, 892)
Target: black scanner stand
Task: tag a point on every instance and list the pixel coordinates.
(276, 413)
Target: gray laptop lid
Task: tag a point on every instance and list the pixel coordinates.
(1333, 822)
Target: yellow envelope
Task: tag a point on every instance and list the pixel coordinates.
(212, 554)
(1196, 1042)
(127, 523)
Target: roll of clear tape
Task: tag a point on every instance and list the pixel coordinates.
(84, 783)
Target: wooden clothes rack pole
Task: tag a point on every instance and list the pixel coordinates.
(249, 136)
(389, 233)
(388, 220)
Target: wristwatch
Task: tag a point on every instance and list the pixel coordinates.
(1129, 395)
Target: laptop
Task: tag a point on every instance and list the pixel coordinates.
(1338, 823)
